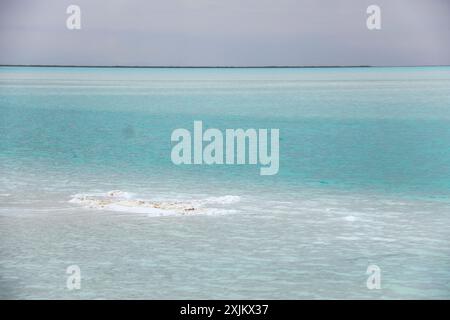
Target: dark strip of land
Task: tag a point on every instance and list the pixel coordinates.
(208, 67)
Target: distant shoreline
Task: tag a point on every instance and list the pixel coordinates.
(212, 67)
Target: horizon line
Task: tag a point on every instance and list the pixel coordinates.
(214, 67)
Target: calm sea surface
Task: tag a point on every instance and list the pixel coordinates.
(364, 180)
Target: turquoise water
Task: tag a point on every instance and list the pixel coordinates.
(364, 179)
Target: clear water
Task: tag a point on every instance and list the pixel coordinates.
(364, 179)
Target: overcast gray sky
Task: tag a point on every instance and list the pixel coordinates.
(225, 33)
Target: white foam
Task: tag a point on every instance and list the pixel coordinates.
(119, 194)
(220, 200)
(117, 200)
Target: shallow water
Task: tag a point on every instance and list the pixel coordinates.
(364, 179)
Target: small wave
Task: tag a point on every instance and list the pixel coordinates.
(348, 238)
(350, 218)
(121, 201)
